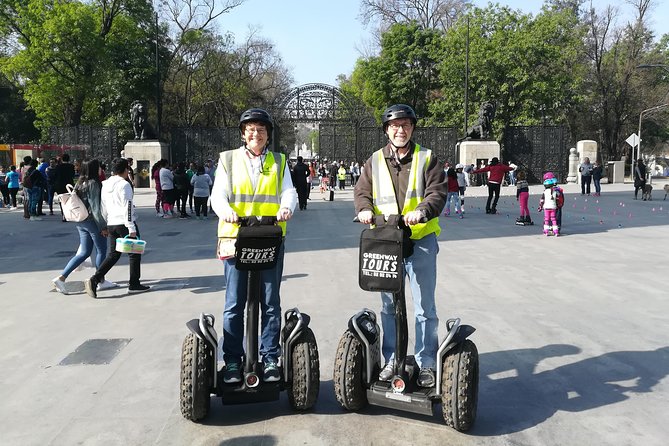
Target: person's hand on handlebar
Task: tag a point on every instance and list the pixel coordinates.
(230, 216)
(365, 217)
(414, 217)
(284, 214)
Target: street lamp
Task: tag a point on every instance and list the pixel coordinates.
(644, 112)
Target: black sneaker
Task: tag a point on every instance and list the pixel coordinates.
(91, 286)
(231, 373)
(271, 373)
(135, 289)
(387, 373)
(426, 377)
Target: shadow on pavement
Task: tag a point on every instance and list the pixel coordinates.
(522, 399)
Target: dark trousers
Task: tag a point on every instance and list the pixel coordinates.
(201, 206)
(5, 194)
(302, 194)
(12, 194)
(191, 189)
(182, 198)
(119, 231)
(493, 188)
(585, 184)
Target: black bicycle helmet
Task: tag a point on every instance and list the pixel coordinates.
(257, 115)
(398, 111)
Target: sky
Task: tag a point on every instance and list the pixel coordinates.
(320, 39)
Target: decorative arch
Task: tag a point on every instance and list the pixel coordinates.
(317, 102)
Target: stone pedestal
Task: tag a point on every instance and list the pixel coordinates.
(572, 176)
(145, 154)
(471, 152)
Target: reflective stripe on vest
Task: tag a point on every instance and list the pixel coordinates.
(383, 191)
(243, 199)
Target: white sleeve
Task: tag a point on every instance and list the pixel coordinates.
(288, 192)
(220, 200)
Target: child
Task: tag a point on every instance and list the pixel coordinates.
(549, 204)
(453, 192)
(523, 195)
(559, 193)
(462, 184)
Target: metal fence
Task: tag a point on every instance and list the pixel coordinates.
(97, 142)
(537, 149)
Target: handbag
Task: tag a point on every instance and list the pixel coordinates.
(257, 247)
(382, 252)
(74, 209)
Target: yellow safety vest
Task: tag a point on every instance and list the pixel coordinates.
(383, 191)
(243, 199)
(341, 173)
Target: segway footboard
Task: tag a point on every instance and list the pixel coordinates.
(458, 376)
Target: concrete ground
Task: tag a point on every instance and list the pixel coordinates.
(572, 331)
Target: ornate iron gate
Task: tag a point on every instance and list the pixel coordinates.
(537, 149)
(99, 142)
(198, 144)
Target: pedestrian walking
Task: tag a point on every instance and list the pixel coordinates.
(453, 192)
(639, 178)
(586, 175)
(300, 177)
(13, 185)
(118, 210)
(93, 230)
(462, 185)
(201, 183)
(181, 186)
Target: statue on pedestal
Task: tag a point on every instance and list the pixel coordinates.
(483, 127)
(140, 122)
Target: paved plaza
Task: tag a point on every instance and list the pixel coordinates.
(572, 331)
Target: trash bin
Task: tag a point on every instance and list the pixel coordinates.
(610, 166)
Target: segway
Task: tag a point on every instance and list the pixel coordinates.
(256, 249)
(358, 357)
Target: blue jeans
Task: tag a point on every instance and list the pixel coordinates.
(235, 304)
(421, 268)
(455, 197)
(598, 187)
(89, 235)
(34, 197)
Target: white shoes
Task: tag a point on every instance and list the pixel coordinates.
(59, 285)
(106, 285)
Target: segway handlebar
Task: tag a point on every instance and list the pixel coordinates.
(267, 220)
(401, 217)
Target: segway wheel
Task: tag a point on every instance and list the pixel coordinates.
(348, 373)
(459, 386)
(197, 371)
(305, 372)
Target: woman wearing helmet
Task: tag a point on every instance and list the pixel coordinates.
(252, 167)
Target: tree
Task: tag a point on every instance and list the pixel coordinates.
(71, 59)
(404, 72)
(16, 124)
(427, 14)
(522, 63)
(613, 87)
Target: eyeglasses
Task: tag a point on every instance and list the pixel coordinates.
(251, 130)
(395, 127)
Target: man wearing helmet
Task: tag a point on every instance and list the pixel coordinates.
(252, 167)
(414, 176)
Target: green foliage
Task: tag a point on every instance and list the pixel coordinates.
(404, 72)
(77, 62)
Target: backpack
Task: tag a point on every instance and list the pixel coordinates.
(73, 207)
(27, 181)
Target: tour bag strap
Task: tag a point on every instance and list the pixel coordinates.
(257, 246)
(382, 250)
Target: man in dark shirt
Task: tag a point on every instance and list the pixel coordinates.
(64, 174)
(300, 175)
